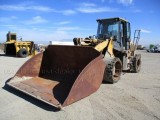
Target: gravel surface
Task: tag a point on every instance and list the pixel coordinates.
(135, 97)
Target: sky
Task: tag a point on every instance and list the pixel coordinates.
(62, 20)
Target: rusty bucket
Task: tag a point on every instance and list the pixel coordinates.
(61, 75)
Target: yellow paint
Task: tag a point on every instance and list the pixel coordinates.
(110, 47)
(109, 44)
(100, 47)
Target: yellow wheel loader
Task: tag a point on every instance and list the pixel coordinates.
(63, 74)
(18, 48)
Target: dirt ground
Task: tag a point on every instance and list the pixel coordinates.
(135, 97)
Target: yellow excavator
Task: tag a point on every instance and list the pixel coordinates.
(63, 74)
(18, 48)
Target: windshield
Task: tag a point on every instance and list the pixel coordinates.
(107, 30)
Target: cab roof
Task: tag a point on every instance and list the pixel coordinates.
(116, 19)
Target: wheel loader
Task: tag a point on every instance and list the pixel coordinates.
(18, 48)
(64, 74)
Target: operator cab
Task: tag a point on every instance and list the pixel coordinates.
(11, 37)
(118, 29)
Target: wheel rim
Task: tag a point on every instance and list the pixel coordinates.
(117, 69)
(24, 52)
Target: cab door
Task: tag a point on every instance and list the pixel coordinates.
(125, 34)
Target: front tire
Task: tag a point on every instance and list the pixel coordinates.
(113, 70)
(23, 53)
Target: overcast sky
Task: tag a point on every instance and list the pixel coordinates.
(49, 20)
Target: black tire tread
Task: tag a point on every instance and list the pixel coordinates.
(135, 68)
(108, 74)
(20, 53)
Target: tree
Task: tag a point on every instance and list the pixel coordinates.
(151, 46)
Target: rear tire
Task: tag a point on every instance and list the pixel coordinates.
(113, 70)
(22, 53)
(136, 63)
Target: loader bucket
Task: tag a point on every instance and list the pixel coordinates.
(61, 75)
